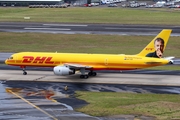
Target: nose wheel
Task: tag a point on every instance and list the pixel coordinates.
(24, 71)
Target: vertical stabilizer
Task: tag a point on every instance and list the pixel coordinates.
(157, 46)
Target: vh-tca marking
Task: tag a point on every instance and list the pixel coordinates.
(69, 63)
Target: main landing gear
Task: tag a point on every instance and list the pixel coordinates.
(85, 76)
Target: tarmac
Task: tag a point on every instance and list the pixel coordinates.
(101, 78)
(41, 94)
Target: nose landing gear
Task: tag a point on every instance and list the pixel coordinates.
(24, 70)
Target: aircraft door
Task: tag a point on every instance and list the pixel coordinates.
(106, 61)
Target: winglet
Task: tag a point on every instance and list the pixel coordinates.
(153, 50)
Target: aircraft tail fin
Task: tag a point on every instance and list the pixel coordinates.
(157, 46)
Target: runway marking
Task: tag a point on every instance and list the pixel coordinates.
(65, 25)
(32, 105)
(46, 29)
(116, 28)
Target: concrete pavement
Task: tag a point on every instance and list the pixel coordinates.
(104, 78)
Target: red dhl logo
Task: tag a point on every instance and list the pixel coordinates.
(38, 59)
(149, 48)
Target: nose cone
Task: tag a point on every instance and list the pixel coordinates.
(6, 61)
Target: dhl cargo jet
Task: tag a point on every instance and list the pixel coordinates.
(69, 63)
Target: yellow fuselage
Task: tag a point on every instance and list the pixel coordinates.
(95, 61)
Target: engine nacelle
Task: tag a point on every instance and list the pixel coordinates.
(62, 70)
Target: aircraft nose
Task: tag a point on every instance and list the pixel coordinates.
(6, 61)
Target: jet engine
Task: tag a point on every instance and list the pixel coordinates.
(62, 70)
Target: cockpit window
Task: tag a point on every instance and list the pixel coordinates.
(11, 57)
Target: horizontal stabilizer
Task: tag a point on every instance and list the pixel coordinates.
(169, 58)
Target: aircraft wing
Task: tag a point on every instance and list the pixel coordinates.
(76, 66)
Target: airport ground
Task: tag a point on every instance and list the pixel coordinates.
(45, 96)
(102, 78)
(40, 91)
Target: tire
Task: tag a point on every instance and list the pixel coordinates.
(24, 73)
(84, 76)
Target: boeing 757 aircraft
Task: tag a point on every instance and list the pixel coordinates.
(69, 63)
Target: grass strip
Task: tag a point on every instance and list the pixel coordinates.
(81, 43)
(160, 106)
(162, 16)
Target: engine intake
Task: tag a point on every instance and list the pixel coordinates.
(62, 70)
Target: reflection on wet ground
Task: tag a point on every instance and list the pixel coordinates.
(28, 100)
(46, 100)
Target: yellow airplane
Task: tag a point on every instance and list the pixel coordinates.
(69, 63)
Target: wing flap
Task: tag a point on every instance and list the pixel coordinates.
(76, 66)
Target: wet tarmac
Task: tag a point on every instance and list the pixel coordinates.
(47, 100)
(38, 101)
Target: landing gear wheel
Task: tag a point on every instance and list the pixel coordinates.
(24, 73)
(24, 70)
(92, 73)
(84, 76)
(81, 76)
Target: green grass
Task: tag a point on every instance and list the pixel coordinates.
(111, 44)
(92, 15)
(160, 106)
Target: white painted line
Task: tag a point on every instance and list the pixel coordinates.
(65, 25)
(46, 29)
(113, 28)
